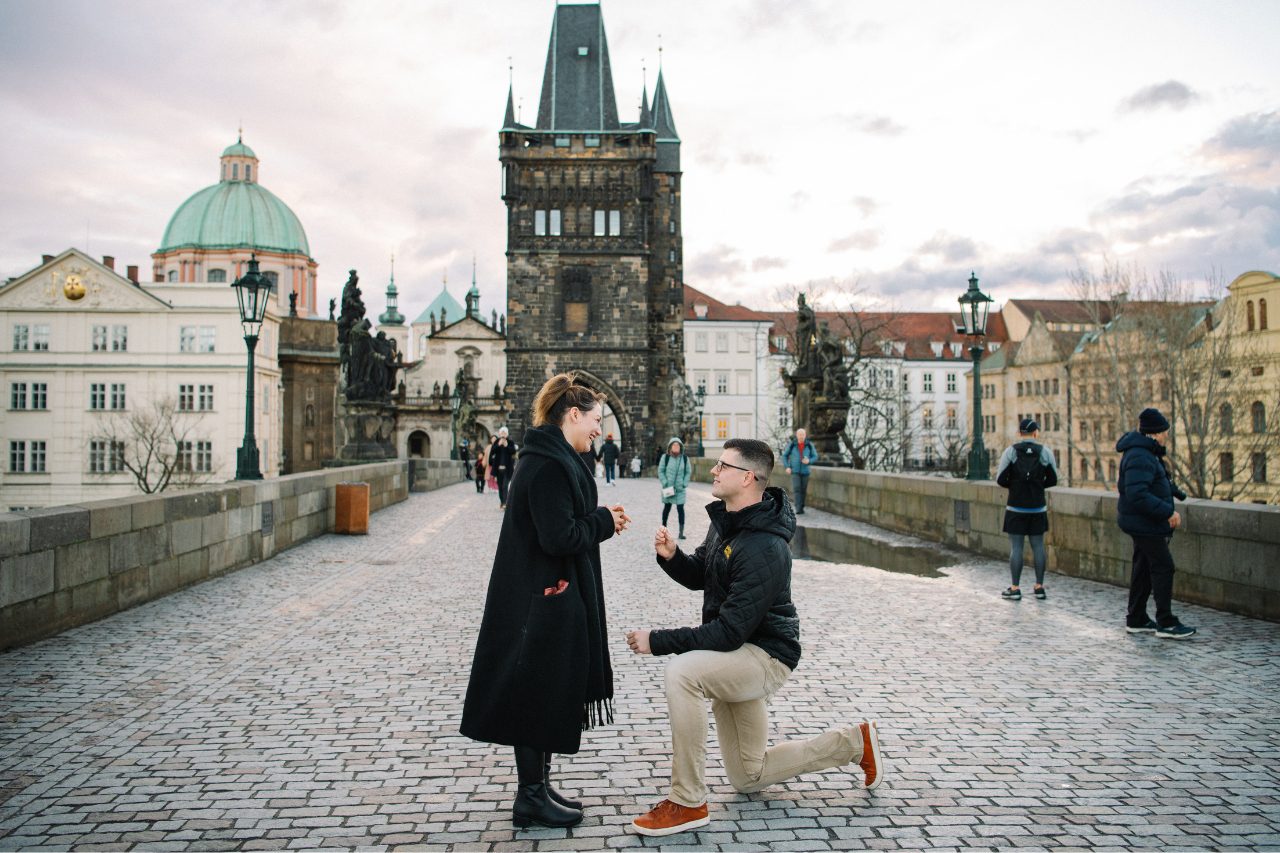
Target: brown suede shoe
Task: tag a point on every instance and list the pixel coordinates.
(871, 763)
(668, 818)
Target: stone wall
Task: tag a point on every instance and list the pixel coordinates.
(1227, 554)
(427, 475)
(66, 566)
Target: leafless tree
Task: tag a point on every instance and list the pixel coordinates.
(1178, 346)
(154, 444)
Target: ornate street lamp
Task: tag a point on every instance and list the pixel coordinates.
(455, 403)
(974, 305)
(253, 292)
(700, 400)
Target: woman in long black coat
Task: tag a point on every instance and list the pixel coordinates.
(541, 673)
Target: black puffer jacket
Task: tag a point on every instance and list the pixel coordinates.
(744, 570)
(1146, 489)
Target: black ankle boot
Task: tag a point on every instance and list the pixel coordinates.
(533, 804)
(552, 792)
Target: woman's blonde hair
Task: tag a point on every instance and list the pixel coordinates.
(559, 395)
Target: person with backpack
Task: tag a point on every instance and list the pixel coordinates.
(1026, 469)
(674, 472)
(797, 458)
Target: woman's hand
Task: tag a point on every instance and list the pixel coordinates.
(664, 544)
(620, 519)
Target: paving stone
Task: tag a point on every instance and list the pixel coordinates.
(312, 702)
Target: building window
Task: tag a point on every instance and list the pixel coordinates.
(1226, 419)
(671, 255)
(206, 398)
(17, 457)
(119, 338)
(115, 456)
(39, 395)
(1055, 386)
(615, 223)
(539, 223)
(1197, 419)
(266, 399)
(308, 451)
(928, 383)
(1262, 314)
(722, 341)
(248, 171)
(1259, 413)
(40, 337)
(1084, 430)
(183, 461)
(186, 398)
(18, 395)
(1019, 389)
(926, 418)
(591, 142)
(37, 457)
(21, 337)
(722, 427)
(218, 276)
(951, 417)
(204, 456)
(173, 275)
(928, 455)
(599, 223)
(577, 299)
(97, 396)
(1248, 313)
(1057, 422)
(1226, 467)
(1111, 470)
(99, 339)
(117, 395)
(106, 456)
(700, 383)
(951, 383)
(187, 339)
(207, 339)
(554, 223)
(1259, 467)
(722, 383)
(671, 227)
(699, 341)
(784, 417)
(744, 342)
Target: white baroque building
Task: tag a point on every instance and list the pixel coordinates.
(85, 348)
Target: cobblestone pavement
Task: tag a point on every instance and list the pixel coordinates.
(313, 701)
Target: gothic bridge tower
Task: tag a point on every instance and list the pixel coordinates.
(594, 250)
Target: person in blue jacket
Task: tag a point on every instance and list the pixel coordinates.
(1146, 512)
(797, 458)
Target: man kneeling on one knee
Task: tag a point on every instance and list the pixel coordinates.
(744, 650)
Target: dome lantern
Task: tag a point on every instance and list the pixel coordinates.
(239, 163)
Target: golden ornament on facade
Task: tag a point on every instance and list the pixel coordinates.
(73, 287)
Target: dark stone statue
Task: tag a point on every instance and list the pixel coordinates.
(806, 338)
(369, 362)
(333, 304)
(293, 303)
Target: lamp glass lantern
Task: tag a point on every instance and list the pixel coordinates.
(700, 399)
(974, 305)
(455, 403)
(253, 294)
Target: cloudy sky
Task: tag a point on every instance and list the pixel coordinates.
(898, 144)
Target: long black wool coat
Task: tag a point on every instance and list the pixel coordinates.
(541, 671)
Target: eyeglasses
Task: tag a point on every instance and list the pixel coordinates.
(720, 463)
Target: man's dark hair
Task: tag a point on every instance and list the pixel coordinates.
(757, 455)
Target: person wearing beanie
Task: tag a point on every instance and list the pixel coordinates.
(1146, 512)
(674, 472)
(1026, 469)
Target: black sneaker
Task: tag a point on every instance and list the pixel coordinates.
(1175, 632)
(1040, 593)
(1150, 628)
(1012, 594)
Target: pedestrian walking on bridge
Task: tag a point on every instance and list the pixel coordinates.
(541, 673)
(796, 458)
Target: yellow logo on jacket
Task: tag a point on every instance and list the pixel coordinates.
(728, 551)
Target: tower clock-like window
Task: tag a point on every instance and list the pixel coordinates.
(577, 299)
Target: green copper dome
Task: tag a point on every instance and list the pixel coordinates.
(234, 215)
(239, 149)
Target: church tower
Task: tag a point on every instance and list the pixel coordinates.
(594, 252)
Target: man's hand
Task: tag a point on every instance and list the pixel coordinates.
(1175, 520)
(788, 470)
(664, 544)
(638, 642)
(620, 519)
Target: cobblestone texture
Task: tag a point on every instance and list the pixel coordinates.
(313, 702)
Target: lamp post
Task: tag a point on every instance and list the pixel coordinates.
(455, 403)
(700, 400)
(974, 305)
(253, 292)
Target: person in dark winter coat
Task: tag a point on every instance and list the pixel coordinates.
(502, 462)
(1026, 469)
(480, 469)
(744, 650)
(1146, 512)
(609, 454)
(541, 673)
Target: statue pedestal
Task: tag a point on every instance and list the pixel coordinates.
(366, 432)
(823, 418)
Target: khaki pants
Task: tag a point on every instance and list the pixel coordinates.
(738, 683)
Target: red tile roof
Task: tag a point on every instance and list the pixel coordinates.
(717, 310)
(918, 330)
